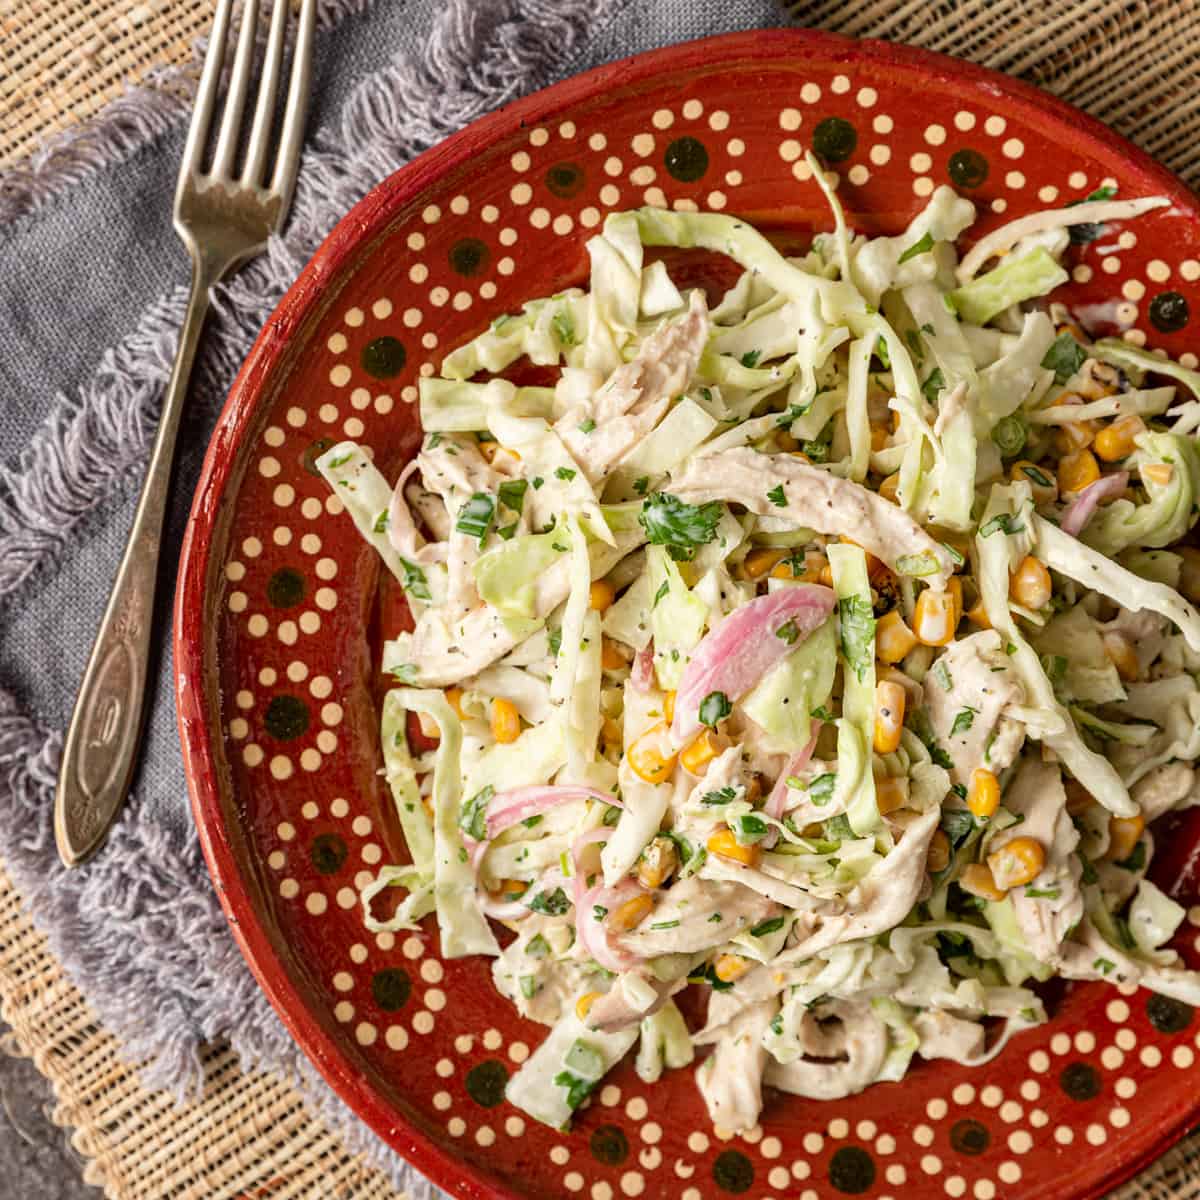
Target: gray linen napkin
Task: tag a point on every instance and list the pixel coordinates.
(92, 289)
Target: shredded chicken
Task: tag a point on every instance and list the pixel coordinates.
(812, 499)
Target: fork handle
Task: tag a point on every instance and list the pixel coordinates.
(100, 749)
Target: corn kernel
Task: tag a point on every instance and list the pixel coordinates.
(802, 456)
(1029, 585)
(1189, 575)
(826, 576)
(983, 796)
(879, 438)
(1115, 441)
(488, 450)
(725, 845)
(1017, 862)
(978, 881)
(1076, 435)
(889, 717)
(506, 721)
(601, 595)
(934, 619)
(697, 754)
(1097, 379)
(584, 1004)
(786, 442)
(669, 707)
(510, 888)
(893, 638)
(1079, 799)
(658, 863)
(1124, 833)
(888, 488)
(630, 914)
(938, 858)
(1122, 654)
(1040, 479)
(611, 732)
(978, 614)
(729, 967)
(891, 793)
(754, 789)
(611, 658)
(454, 696)
(955, 592)
(1158, 473)
(761, 560)
(1077, 470)
(651, 757)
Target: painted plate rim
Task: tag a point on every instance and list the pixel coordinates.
(197, 701)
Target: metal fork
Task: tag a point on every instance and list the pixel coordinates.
(223, 220)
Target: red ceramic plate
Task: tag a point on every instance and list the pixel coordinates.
(281, 612)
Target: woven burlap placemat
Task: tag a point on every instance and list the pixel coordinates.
(1130, 62)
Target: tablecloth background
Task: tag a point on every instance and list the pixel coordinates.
(133, 963)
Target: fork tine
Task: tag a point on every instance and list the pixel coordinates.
(260, 132)
(239, 84)
(292, 136)
(206, 92)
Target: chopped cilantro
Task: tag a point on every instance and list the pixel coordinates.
(776, 496)
(681, 527)
(1064, 357)
(963, 720)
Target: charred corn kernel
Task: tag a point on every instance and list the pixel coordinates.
(1040, 479)
(978, 614)
(601, 595)
(1077, 470)
(1029, 585)
(786, 442)
(887, 489)
(977, 879)
(506, 722)
(658, 863)
(650, 756)
(1189, 575)
(1079, 799)
(1122, 655)
(1115, 441)
(1158, 473)
(759, 562)
(891, 793)
(725, 845)
(893, 638)
(611, 658)
(729, 967)
(934, 618)
(879, 437)
(454, 697)
(611, 732)
(1017, 862)
(754, 789)
(1123, 836)
(696, 755)
(630, 914)
(510, 887)
(1097, 379)
(938, 858)
(983, 796)
(668, 707)
(583, 1005)
(889, 717)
